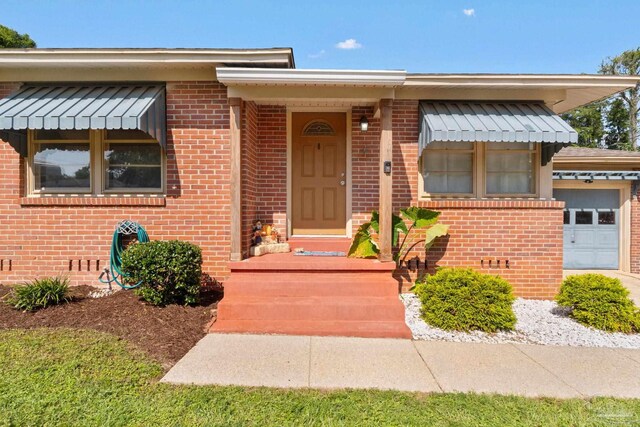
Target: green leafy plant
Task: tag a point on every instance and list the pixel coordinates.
(599, 301)
(463, 299)
(363, 244)
(40, 293)
(169, 271)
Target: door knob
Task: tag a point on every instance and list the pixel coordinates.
(342, 183)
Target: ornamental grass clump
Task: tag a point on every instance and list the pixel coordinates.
(462, 299)
(168, 272)
(600, 302)
(40, 293)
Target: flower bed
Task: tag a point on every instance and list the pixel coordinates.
(538, 322)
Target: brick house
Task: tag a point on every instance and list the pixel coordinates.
(197, 144)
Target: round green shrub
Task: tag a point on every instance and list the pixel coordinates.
(463, 299)
(599, 301)
(169, 271)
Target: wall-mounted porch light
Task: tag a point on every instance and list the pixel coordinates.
(364, 124)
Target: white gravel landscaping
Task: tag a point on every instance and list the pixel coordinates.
(539, 322)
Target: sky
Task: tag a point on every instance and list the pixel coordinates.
(430, 36)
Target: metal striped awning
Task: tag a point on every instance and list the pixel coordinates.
(131, 106)
(494, 122)
(596, 175)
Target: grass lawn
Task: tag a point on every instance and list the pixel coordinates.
(75, 377)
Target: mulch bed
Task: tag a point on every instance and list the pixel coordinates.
(165, 333)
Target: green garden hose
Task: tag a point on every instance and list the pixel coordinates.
(117, 275)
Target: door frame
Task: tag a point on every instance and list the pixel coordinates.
(624, 187)
(347, 110)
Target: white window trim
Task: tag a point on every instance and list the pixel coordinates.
(479, 178)
(31, 179)
(97, 143)
(474, 189)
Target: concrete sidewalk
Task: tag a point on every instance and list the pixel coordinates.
(425, 366)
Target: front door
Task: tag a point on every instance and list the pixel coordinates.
(318, 173)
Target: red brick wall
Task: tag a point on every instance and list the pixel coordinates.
(365, 158)
(527, 233)
(635, 234)
(272, 166)
(41, 240)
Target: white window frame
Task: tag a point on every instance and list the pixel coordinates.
(98, 142)
(479, 176)
(474, 189)
(31, 177)
(103, 167)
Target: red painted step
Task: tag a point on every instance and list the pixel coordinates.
(330, 244)
(370, 329)
(298, 284)
(312, 308)
(301, 295)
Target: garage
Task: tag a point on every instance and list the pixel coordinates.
(591, 228)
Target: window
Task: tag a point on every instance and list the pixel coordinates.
(132, 162)
(510, 168)
(318, 128)
(61, 162)
(480, 169)
(94, 162)
(447, 168)
(584, 217)
(606, 218)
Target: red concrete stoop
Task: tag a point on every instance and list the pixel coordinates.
(299, 295)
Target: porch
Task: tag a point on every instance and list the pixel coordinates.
(304, 295)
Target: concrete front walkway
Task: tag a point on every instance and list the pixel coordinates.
(426, 366)
(629, 280)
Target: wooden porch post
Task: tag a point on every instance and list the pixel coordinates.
(235, 120)
(386, 180)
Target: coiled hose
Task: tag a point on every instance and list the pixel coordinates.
(117, 275)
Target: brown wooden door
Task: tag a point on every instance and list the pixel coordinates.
(319, 173)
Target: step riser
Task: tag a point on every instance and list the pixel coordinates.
(249, 311)
(320, 245)
(345, 329)
(297, 287)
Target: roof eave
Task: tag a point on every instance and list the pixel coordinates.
(594, 159)
(520, 80)
(232, 76)
(10, 58)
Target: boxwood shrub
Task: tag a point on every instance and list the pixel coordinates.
(169, 271)
(40, 293)
(463, 299)
(599, 301)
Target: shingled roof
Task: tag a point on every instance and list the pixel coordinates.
(595, 152)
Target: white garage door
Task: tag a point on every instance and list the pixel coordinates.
(591, 228)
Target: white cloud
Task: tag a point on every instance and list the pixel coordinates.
(469, 12)
(349, 44)
(317, 54)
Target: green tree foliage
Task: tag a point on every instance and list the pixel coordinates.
(627, 63)
(10, 38)
(587, 121)
(613, 122)
(617, 126)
